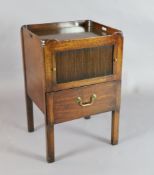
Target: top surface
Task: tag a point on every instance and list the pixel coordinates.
(69, 35)
(70, 30)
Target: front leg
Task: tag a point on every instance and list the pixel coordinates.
(115, 127)
(29, 110)
(49, 119)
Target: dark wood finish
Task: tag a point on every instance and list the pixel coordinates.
(66, 108)
(115, 128)
(34, 68)
(49, 120)
(80, 27)
(53, 45)
(115, 116)
(29, 103)
(29, 109)
(66, 60)
(91, 81)
(84, 63)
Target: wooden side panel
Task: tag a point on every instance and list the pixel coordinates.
(66, 108)
(84, 63)
(33, 68)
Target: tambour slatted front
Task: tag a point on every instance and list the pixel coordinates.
(84, 63)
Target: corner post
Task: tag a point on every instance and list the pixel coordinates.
(118, 54)
(49, 123)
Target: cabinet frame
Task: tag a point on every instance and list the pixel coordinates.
(39, 67)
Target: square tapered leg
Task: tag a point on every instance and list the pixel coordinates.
(29, 109)
(49, 119)
(115, 128)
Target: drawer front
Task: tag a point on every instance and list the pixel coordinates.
(79, 102)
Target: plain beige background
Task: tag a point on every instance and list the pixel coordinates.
(82, 147)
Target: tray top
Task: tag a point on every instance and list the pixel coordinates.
(70, 30)
(68, 36)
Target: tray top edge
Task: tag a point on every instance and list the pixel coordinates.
(70, 30)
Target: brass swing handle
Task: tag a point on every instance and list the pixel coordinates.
(83, 104)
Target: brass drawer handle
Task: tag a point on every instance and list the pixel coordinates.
(83, 104)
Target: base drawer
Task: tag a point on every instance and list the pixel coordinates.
(88, 100)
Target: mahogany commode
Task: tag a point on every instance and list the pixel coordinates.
(72, 70)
